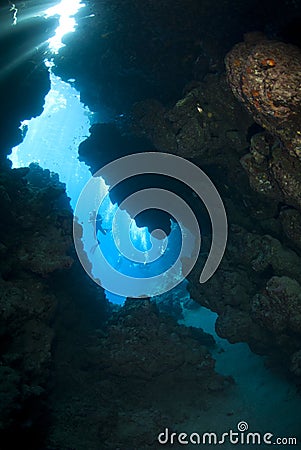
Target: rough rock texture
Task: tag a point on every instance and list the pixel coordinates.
(41, 293)
(208, 127)
(291, 223)
(128, 375)
(35, 239)
(109, 383)
(126, 53)
(196, 126)
(278, 309)
(256, 293)
(173, 303)
(266, 76)
(272, 171)
(168, 347)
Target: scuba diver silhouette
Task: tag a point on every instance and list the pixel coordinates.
(94, 217)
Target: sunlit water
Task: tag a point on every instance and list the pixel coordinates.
(52, 141)
(65, 10)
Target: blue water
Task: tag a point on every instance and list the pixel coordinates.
(52, 141)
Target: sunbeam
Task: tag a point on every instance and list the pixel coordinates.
(66, 10)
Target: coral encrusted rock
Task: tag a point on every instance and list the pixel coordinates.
(35, 237)
(265, 75)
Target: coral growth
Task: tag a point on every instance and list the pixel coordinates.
(35, 237)
(144, 345)
(209, 127)
(272, 171)
(196, 126)
(256, 293)
(129, 374)
(266, 76)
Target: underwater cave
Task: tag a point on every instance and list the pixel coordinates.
(150, 230)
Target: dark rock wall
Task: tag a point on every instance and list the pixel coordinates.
(38, 265)
(27, 304)
(43, 291)
(162, 65)
(132, 50)
(209, 126)
(121, 383)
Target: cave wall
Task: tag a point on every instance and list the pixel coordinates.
(38, 265)
(127, 51)
(161, 65)
(179, 96)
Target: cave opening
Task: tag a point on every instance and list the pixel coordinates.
(52, 141)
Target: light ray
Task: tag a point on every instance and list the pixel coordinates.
(66, 10)
(22, 58)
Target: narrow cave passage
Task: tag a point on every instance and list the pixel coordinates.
(263, 397)
(52, 141)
